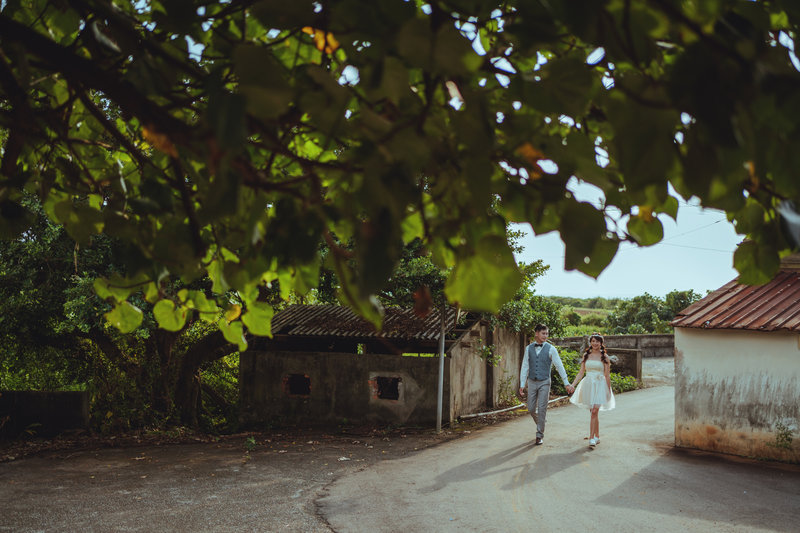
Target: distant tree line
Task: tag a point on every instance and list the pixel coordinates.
(637, 315)
(586, 303)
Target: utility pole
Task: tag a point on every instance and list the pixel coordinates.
(440, 394)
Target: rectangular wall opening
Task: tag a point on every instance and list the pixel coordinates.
(388, 388)
(297, 385)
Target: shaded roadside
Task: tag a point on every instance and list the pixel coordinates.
(265, 481)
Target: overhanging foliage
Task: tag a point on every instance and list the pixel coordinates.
(229, 139)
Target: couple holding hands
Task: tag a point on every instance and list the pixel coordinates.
(592, 392)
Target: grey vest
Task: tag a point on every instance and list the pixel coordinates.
(539, 365)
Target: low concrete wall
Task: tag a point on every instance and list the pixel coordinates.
(650, 345)
(626, 362)
(42, 414)
(325, 388)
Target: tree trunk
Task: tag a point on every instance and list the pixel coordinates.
(187, 385)
(163, 343)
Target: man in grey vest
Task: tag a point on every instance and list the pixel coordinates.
(537, 360)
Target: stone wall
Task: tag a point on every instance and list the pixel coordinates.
(42, 414)
(649, 345)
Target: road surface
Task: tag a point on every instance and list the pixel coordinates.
(634, 480)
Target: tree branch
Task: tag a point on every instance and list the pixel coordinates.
(86, 73)
(110, 349)
(21, 115)
(112, 130)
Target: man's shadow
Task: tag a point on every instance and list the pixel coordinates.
(543, 465)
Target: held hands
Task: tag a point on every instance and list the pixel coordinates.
(570, 389)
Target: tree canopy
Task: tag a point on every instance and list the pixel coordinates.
(229, 140)
(648, 313)
(54, 335)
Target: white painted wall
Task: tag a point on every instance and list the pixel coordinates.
(733, 388)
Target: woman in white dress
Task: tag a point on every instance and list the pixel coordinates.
(594, 391)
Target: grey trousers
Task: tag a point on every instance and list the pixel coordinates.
(538, 396)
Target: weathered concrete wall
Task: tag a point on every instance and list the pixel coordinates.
(650, 345)
(341, 386)
(626, 362)
(43, 414)
(736, 390)
(508, 347)
(468, 374)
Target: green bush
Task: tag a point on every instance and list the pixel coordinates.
(594, 319)
(507, 395)
(221, 395)
(620, 383)
(572, 317)
(578, 331)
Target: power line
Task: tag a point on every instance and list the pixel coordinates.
(692, 230)
(696, 247)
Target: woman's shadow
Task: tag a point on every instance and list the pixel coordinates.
(542, 466)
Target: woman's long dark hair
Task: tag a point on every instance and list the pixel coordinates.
(588, 350)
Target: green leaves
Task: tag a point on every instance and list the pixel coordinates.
(257, 318)
(643, 142)
(168, 316)
(486, 279)
(125, 317)
(755, 262)
(117, 287)
(233, 333)
(645, 228)
(288, 124)
(566, 87)
(81, 218)
(262, 81)
(587, 247)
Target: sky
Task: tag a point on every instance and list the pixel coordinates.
(696, 253)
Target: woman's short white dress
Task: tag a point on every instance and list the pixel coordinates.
(593, 388)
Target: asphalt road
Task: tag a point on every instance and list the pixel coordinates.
(470, 478)
(634, 480)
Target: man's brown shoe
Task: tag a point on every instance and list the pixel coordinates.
(539, 440)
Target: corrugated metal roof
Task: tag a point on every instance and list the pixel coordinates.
(770, 307)
(340, 321)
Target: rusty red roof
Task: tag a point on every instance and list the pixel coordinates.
(340, 321)
(770, 307)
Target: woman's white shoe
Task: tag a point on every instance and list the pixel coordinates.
(592, 442)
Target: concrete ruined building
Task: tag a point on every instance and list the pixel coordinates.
(326, 365)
